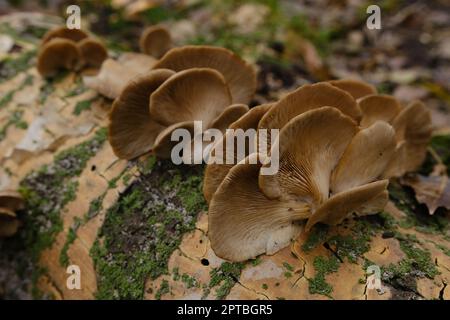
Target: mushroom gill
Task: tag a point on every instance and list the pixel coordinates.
(239, 76)
(335, 155)
(10, 202)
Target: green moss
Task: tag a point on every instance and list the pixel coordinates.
(256, 261)
(82, 106)
(70, 238)
(225, 277)
(189, 281)
(13, 66)
(15, 119)
(163, 289)
(288, 267)
(416, 216)
(316, 237)
(323, 266)
(145, 226)
(48, 190)
(265, 286)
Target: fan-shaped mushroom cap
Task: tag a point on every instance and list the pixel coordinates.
(365, 158)
(413, 130)
(368, 198)
(155, 41)
(356, 88)
(239, 76)
(11, 200)
(378, 107)
(163, 144)
(132, 131)
(310, 146)
(93, 52)
(214, 172)
(306, 98)
(58, 54)
(65, 33)
(199, 94)
(243, 223)
(9, 224)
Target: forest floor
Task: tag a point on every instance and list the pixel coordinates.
(138, 229)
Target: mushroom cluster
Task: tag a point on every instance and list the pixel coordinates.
(188, 84)
(10, 202)
(338, 144)
(69, 49)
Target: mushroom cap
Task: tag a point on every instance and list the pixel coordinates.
(368, 198)
(239, 76)
(378, 107)
(305, 98)
(9, 224)
(163, 145)
(243, 223)
(198, 94)
(413, 130)
(93, 52)
(57, 54)
(12, 200)
(132, 131)
(357, 89)
(214, 172)
(65, 33)
(309, 146)
(365, 158)
(228, 116)
(155, 41)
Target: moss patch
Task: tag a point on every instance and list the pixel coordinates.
(224, 278)
(144, 227)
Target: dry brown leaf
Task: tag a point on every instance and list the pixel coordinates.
(433, 190)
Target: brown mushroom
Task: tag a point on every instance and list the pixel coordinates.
(310, 146)
(155, 41)
(214, 172)
(10, 201)
(378, 107)
(75, 35)
(93, 52)
(58, 54)
(243, 223)
(199, 94)
(239, 76)
(132, 131)
(357, 89)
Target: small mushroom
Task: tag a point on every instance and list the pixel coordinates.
(378, 107)
(155, 41)
(413, 129)
(199, 94)
(306, 98)
(356, 88)
(58, 54)
(239, 76)
(10, 201)
(93, 52)
(75, 35)
(132, 131)
(244, 223)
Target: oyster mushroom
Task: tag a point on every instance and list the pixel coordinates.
(357, 89)
(239, 76)
(75, 35)
(93, 52)
(378, 107)
(10, 201)
(328, 175)
(69, 49)
(215, 172)
(155, 41)
(132, 131)
(58, 54)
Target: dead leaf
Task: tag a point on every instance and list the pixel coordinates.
(433, 190)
